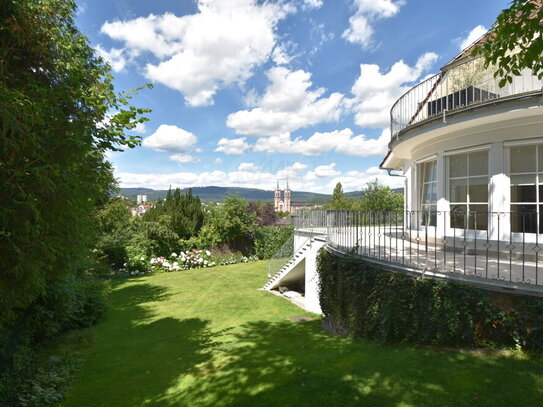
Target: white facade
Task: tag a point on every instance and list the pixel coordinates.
(482, 157)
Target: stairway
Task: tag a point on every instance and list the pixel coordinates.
(276, 279)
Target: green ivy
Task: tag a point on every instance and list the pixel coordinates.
(269, 239)
(394, 307)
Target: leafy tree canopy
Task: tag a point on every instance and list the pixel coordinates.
(182, 213)
(338, 199)
(515, 41)
(56, 122)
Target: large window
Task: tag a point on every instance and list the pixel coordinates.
(428, 192)
(526, 175)
(468, 190)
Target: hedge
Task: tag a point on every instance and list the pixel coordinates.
(269, 239)
(386, 306)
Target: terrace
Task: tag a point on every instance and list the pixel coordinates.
(479, 248)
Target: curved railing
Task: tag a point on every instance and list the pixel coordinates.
(463, 85)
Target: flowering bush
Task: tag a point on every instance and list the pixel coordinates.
(137, 266)
(189, 259)
(237, 259)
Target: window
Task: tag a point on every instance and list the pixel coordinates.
(526, 175)
(428, 191)
(468, 190)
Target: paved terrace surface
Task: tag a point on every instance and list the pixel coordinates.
(505, 265)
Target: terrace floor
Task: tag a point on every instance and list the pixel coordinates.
(509, 265)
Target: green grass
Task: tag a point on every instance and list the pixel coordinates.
(209, 338)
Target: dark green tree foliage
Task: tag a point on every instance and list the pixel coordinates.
(54, 96)
(379, 197)
(265, 213)
(515, 41)
(182, 213)
(338, 199)
(231, 222)
(114, 228)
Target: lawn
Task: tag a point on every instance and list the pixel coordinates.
(210, 338)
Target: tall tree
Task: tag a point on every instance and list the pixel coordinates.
(338, 198)
(515, 41)
(55, 96)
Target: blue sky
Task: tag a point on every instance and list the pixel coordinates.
(249, 92)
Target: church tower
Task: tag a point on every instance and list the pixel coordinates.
(287, 198)
(277, 204)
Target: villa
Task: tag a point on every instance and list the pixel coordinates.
(471, 156)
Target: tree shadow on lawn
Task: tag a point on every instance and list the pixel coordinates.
(288, 364)
(137, 357)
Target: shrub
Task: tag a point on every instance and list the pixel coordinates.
(394, 307)
(269, 239)
(70, 303)
(152, 239)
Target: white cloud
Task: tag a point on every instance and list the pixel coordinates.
(375, 92)
(287, 105)
(184, 158)
(312, 3)
(203, 52)
(360, 29)
(171, 139)
(323, 171)
(218, 161)
(358, 180)
(340, 141)
(115, 57)
(140, 128)
(234, 146)
(473, 36)
(248, 167)
(321, 179)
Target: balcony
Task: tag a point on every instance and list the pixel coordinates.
(460, 87)
(495, 250)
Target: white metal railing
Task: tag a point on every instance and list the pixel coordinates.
(462, 85)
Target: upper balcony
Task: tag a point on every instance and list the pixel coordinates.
(459, 86)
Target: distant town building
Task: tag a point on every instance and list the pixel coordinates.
(141, 199)
(283, 200)
(140, 209)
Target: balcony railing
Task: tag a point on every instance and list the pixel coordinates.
(501, 249)
(463, 85)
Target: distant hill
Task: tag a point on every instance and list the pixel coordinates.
(218, 194)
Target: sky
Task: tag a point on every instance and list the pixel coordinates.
(249, 93)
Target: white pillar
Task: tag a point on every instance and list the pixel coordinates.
(312, 284)
(499, 193)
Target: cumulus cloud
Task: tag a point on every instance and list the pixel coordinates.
(248, 167)
(115, 57)
(234, 146)
(287, 105)
(171, 139)
(375, 92)
(473, 36)
(341, 141)
(140, 128)
(358, 180)
(360, 29)
(218, 161)
(184, 158)
(203, 52)
(323, 171)
(320, 179)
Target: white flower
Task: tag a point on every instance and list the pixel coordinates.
(174, 254)
(142, 258)
(205, 262)
(208, 252)
(124, 264)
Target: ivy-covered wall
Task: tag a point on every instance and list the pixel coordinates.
(366, 301)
